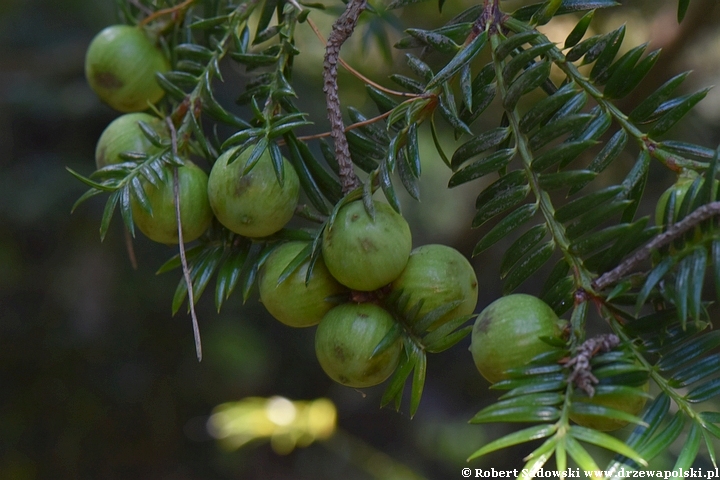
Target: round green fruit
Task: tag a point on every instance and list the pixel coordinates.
(252, 204)
(160, 224)
(625, 402)
(120, 66)
(293, 302)
(438, 275)
(124, 135)
(366, 254)
(508, 334)
(345, 340)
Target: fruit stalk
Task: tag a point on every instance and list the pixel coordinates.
(341, 31)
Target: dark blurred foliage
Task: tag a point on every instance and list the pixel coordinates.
(99, 381)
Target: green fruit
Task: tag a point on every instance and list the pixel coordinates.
(124, 135)
(366, 254)
(120, 66)
(624, 402)
(345, 339)
(254, 204)
(161, 225)
(293, 302)
(438, 275)
(507, 334)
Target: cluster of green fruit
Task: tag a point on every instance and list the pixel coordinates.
(364, 254)
(253, 204)
(120, 66)
(360, 253)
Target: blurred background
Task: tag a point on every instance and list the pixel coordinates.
(99, 381)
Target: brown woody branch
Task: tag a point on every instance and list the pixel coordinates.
(341, 31)
(674, 231)
(582, 369)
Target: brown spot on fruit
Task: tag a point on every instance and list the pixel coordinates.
(483, 324)
(243, 184)
(367, 245)
(108, 80)
(339, 353)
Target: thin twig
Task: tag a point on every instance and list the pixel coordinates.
(348, 128)
(342, 30)
(674, 231)
(376, 85)
(181, 244)
(347, 66)
(165, 11)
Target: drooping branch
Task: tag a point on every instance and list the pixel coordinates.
(674, 231)
(181, 243)
(341, 31)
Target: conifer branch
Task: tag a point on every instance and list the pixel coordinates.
(674, 231)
